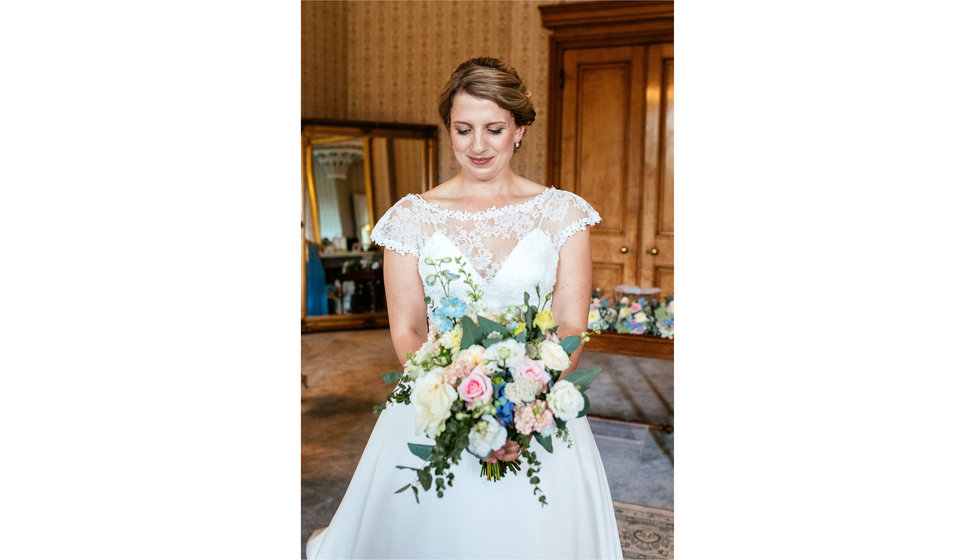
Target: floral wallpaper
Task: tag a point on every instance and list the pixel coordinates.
(388, 60)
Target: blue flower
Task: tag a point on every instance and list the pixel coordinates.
(453, 308)
(505, 413)
(443, 324)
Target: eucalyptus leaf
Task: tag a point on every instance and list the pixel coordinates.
(581, 378)
(545, 443)
(487, 326)
(471, 333)
(425, 479)
(570, 343)
(423, 452)
(391, 376)
(402, 489)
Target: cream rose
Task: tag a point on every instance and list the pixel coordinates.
(554, 356)
(565, 400)
(431, 400)
(472, 355)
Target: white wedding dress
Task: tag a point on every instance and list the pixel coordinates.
(508, 251)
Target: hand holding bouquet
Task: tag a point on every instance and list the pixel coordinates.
(484, 378)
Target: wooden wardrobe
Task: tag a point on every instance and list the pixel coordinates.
(611, 132)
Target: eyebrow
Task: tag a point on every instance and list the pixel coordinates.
(500, 123)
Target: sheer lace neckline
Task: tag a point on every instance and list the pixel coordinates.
(488, 212)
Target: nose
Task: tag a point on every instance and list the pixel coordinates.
(479, 141)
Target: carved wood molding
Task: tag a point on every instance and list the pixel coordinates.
(582, 20)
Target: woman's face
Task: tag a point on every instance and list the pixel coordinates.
(483, 135)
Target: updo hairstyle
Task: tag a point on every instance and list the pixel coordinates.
(489, 78)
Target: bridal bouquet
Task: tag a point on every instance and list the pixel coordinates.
(483, 377)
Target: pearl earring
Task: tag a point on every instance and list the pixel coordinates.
(517, 144)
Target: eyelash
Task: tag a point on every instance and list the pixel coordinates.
(465, 132)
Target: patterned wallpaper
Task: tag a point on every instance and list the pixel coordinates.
(388, 60)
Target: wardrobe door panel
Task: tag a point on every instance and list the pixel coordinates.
(601, 153)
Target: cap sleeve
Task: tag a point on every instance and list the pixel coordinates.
(400, 229)
(574, 214)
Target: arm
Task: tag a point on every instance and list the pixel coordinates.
(406, 303)
(573, 290)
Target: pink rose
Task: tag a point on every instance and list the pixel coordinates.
(533, 417)
(475, 386)
(533, 370)
(635, 307)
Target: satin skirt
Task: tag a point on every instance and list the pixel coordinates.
(475, 518)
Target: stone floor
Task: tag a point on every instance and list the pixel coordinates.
(342, 374)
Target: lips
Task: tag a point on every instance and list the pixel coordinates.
(480, 161)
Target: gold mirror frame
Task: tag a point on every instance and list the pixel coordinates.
(318, 131)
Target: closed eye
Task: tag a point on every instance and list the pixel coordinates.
(497, 131)
(462, 132)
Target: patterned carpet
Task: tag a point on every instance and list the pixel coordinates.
(645, 532)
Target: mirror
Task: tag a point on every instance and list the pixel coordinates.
(352, 173)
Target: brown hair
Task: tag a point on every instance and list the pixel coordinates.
(489, 78)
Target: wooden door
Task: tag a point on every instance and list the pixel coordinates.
(601, 156)
(656, 243)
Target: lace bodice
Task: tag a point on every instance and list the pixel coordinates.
(507, 250)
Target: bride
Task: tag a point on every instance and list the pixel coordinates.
(514, 234)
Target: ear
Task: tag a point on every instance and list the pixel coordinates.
(520, 133)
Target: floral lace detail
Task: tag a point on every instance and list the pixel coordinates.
(486, 238)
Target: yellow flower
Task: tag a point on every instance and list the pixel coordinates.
(518, 329)
(543, 320)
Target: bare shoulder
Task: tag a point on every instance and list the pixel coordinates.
(528, 189)
(442, 193)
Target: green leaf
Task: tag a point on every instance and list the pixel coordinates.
(570, 343)
(581, 378)
(487, 326)
(402, 489)
(522, 338)
(391, 376)
(545, 443)
(471, 333)
(585, 409)
(425, 479)
(423, 452)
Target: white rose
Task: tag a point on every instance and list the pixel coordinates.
(431, 400)
(554, 356)
(509, 351)
(640, 317)
(565, 400)
(486, 436)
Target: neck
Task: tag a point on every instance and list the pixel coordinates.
(504, 184)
